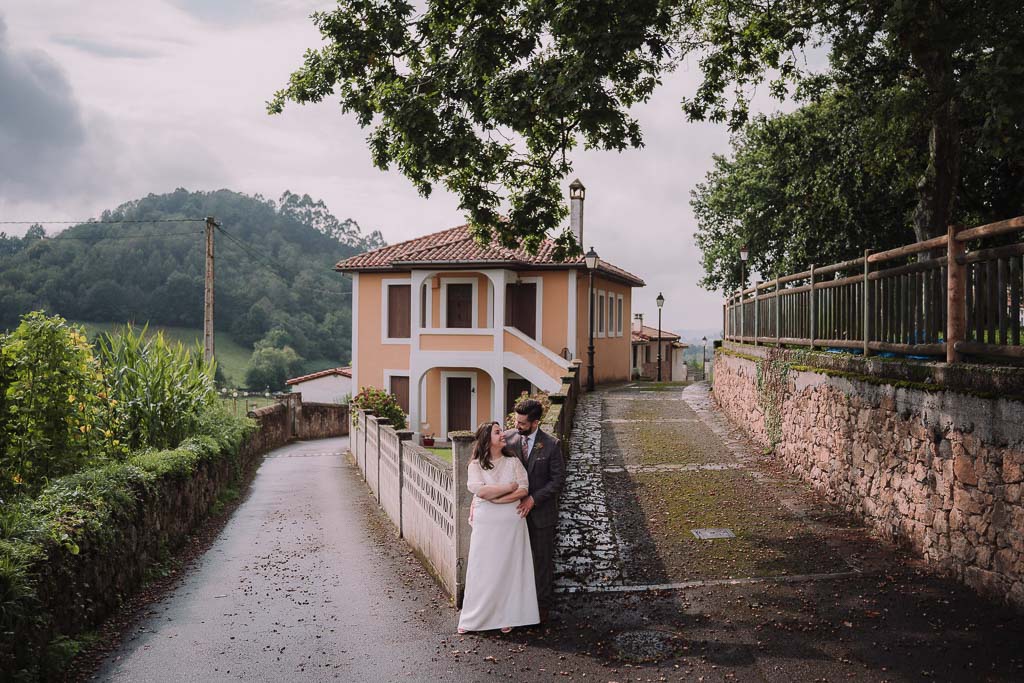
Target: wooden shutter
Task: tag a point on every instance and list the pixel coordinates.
(459, 305)
(400, 388)
(399, 311)
(521, 308)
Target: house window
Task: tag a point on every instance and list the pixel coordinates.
(400, 388)
(459, 305)
(424, 293)
(611, 314)
(647, 353)
(618, 324)
(634, 356)
(398, 311)
(600, 314)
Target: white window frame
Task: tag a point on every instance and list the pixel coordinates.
(388, 374)
(620, 313)
(384, 285)
(445, 374)
(426, 304)
(445, 281)
(601, 309)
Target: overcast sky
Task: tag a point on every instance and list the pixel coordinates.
(104, 102)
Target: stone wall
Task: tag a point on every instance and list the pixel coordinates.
(929, 462)
(322, 420)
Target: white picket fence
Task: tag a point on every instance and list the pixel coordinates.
(425, 497)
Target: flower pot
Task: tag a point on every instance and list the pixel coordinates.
(428, 441)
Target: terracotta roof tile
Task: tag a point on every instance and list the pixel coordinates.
(649, 333)
(344, 372)
(457, 246)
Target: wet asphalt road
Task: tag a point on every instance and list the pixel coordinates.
(300, 584)
(307, 582)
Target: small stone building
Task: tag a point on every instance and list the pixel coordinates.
(333, 385)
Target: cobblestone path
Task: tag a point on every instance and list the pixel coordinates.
(650, 464)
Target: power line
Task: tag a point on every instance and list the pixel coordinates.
(99, 238)
(94, 222)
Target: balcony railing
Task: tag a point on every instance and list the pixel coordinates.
(949, 302)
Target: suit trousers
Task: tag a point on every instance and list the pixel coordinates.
(542, 543)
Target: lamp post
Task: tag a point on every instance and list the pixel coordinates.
(704, 358)
(661, 302)
(744, 254)
(592, 260)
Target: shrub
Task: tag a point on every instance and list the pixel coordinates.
(382, 404)
(542, 396)
(55, 417)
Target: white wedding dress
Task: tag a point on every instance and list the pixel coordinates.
(500, 589)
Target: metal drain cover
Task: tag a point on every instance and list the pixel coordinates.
(706, 534)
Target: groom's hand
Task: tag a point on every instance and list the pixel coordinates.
(525, 505)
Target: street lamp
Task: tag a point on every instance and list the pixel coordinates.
(744, 254)
(592, 261)
(704, 358)
(661, 302)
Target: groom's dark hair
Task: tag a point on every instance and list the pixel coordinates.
(531, 408)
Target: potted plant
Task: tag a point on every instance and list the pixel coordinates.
(428, 440)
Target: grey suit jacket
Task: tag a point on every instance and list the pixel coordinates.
(546, 470)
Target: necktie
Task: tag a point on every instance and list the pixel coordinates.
(526, 449)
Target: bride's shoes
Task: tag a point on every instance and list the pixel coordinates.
(507, 629)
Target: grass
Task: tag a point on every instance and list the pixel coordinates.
(769, 541)
(232, 358)
(243, 404)
(441, 452)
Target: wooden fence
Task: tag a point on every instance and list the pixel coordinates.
(950, 302)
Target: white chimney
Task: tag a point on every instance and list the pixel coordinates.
(577, 193)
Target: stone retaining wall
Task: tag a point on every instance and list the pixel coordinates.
(323, 420)
(939, 469)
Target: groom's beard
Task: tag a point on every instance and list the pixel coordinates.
(524, 432)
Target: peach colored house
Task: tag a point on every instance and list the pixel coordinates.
(456, 331)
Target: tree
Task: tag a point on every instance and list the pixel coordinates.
(271, 366)
(491, 99)
(812, 186)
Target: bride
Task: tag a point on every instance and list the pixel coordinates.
(500, 590)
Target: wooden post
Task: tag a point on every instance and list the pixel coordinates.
(814, 309)
(743, 317)
(866, 305)
(208, 293)
(404, 437)
(778, 314)
(757, 321)
(956, 294)
(462, 452)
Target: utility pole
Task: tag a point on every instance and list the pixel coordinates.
(208, 293)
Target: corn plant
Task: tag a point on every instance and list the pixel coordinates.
(159, 389)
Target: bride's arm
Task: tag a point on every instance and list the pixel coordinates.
(475, 484)
(522, 484)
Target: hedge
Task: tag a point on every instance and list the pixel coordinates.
(71, 555)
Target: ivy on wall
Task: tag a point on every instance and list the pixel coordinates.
(772, 380)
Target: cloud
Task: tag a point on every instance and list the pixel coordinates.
(41, 121)
(102, 49)
(234, 12)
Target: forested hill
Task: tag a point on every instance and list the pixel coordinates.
(274, 268)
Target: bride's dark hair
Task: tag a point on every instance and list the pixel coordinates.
(482, 446)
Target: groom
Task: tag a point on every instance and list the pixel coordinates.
(542, 456)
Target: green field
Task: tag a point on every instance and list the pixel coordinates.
(231, 357)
